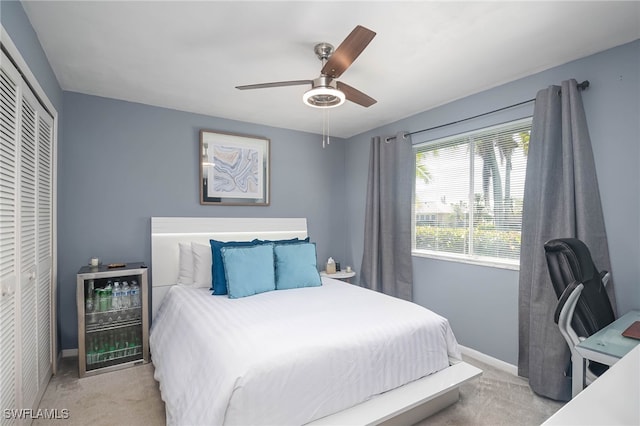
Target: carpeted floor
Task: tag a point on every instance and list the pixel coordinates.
(131, 397)
(497, 398)
(124, 397)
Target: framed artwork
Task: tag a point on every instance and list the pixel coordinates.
(234, 169)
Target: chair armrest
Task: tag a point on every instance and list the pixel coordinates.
(564, 313)
(564, 299)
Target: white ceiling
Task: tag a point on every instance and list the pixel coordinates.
(190, 55)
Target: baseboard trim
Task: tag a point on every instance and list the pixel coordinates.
(488, 359)
(68, 353)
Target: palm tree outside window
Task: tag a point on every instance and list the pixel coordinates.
(468, 194)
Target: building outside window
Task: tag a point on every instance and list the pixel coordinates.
(468, 195)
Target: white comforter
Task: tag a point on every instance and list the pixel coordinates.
(288, 357)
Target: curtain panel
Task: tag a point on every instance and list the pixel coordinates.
(386, 261)
(561, 199)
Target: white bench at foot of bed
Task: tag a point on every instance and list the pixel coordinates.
(410, 403)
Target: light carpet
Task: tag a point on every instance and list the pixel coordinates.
(132, 397)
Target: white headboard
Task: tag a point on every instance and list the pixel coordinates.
(167, 232)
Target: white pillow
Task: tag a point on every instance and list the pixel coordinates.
(201, 265)
(185, 274)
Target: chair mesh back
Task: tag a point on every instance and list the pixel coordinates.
(569, 261)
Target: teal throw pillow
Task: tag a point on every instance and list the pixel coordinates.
(296, 266)
(248, 270)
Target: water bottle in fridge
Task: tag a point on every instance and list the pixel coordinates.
(116, 296)
(89, 350)
(125, 342)
(100, 353)
(125, 300)
(89, 298)
(106, 297)
(89, 303)
(133, 341)
(112, 346)
(135, 294)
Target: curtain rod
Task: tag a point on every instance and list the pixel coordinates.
(581, 86)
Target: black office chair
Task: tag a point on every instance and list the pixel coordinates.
(583, 304)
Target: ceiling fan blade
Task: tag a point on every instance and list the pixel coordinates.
(356, 96)
(348, 51)
(274, 84)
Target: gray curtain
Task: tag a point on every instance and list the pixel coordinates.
(561, 199)
(386, 261)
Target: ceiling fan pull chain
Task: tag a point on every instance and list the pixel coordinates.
(325, 128)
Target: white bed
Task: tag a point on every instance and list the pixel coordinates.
(334, 354)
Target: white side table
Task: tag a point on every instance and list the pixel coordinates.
(341, 275)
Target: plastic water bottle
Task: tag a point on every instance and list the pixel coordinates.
(116, 296)
(125, 342)
(89, 350)
(135, 294)
(100, 353)
(107, 295)
(89, 298)
(125, 299)
(122, 341)
(112, 346)
(133, 341)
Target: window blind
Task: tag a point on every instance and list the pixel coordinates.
(468, 193)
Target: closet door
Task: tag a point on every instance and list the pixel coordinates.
(44, 255)
(26, 268)
(28, 237)
(9, 115)
(34, 230)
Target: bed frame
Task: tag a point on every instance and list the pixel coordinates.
(405, 405)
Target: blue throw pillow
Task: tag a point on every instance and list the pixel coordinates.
(249, 270)
(218, 279)
(296, 266)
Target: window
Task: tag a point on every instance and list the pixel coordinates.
(468, 194)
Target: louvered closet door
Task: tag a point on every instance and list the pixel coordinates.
(27, 229)
(44, 254)
(9, 111)
(35, 247)
(26, 194)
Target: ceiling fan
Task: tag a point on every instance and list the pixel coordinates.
(326, 91)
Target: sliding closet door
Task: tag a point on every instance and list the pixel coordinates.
(9, 112)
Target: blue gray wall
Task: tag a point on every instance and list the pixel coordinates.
(15, 22)
(481, 302)
(121, 163)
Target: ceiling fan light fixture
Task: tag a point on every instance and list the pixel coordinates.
(324, 97)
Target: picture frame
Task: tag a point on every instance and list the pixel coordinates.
(234, 169)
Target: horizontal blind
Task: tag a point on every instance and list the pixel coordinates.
(469, 191)
(442, 193)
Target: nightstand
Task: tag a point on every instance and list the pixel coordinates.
(340, 275)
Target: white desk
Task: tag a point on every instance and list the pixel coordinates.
(611, 400)
(607, 346)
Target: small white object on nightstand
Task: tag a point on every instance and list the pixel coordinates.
(340, 275)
